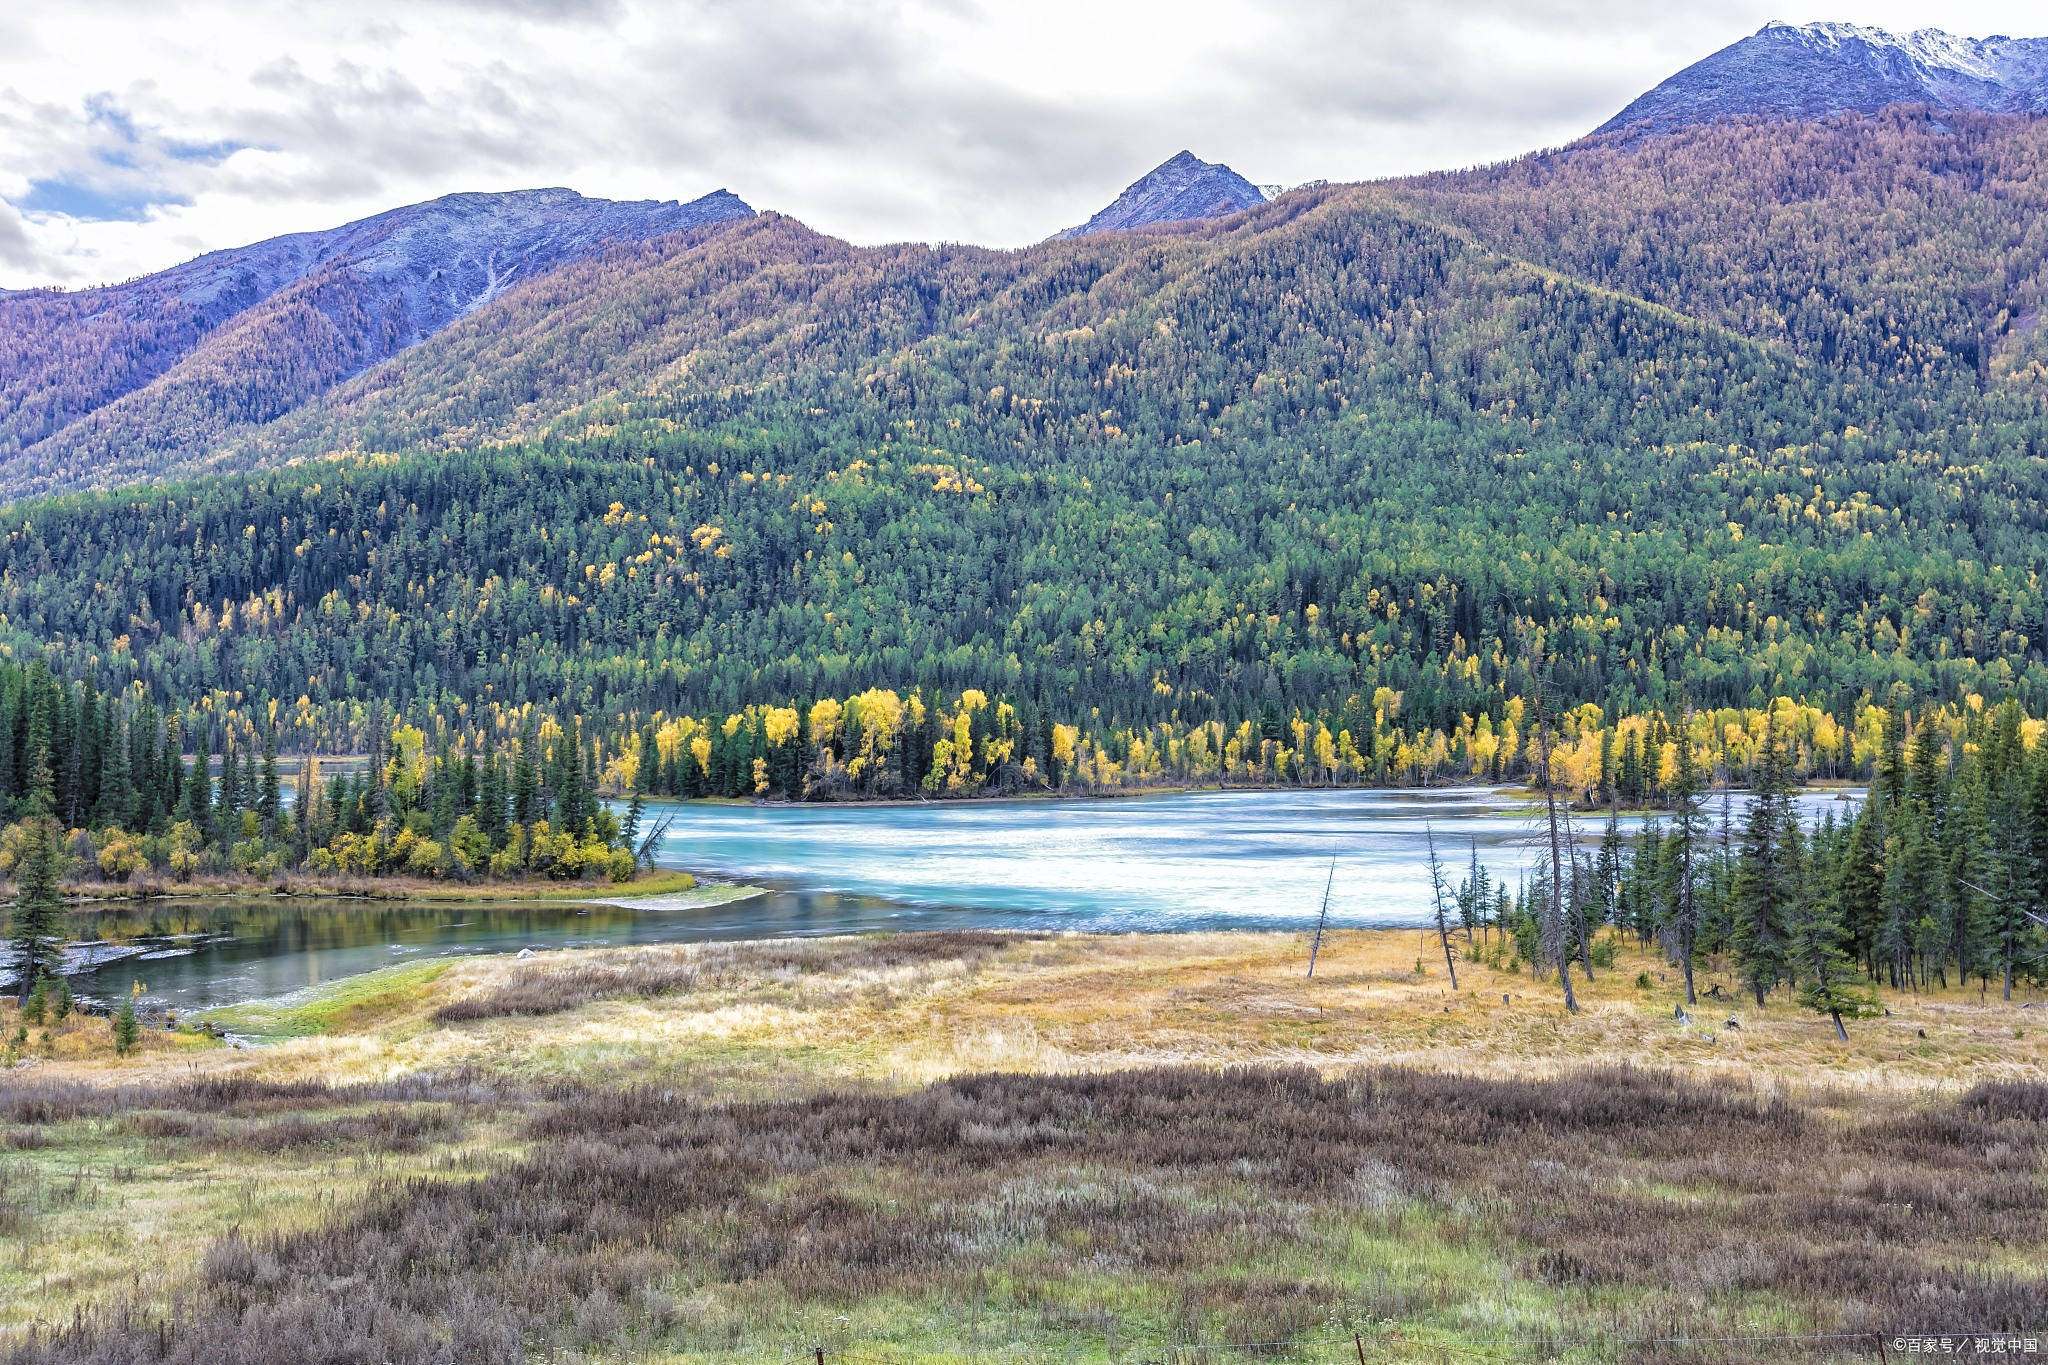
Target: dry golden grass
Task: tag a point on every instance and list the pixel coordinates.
(767, 1015)
(1081, 1003)
(85, 1038)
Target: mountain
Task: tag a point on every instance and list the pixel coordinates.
(1723, 225)
(1817, 70)
(113, 383)
(1753, 409)
(1178, 190)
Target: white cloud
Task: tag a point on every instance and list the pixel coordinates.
(209, 123)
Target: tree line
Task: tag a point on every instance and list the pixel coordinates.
(100, 791)
(1939, 877)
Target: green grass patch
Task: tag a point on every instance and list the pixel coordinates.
(353, 1002)
(665, 882)
(677, 891)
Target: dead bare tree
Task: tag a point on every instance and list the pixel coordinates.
(1322, 918)
(644, 855)
(1436, 886)
(1556, 941)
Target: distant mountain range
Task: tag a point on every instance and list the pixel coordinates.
(119, 381)
(311, 344)
(1816, 70)
(1180, 189)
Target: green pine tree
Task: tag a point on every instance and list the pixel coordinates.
(270, 796)
(1860, 885)
(1819, 945)
(1764, 877)
(198, 808)
(116, 807)
(36, 924)
(1683, 852)
(490, 802)
(39, 775)
(525, 780)
(250, 790)
(1974, 873)
(127, 1029)
(1909, 884)
(1888, 781)
(629, 829)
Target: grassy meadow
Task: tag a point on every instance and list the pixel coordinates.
(969, 1146)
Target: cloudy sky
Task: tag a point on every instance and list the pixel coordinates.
(138, 133)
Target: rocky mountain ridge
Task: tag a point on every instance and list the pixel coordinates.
(166, 362)
(1180, 189)
(1809, 71)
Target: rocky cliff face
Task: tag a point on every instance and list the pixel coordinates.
(1178, 190)
(1815, 70)
(436, 261)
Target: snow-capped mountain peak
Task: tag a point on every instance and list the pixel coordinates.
(1820, 69)
(1179, 189)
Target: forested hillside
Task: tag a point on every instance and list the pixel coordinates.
(1738, 414)
(1903, 251)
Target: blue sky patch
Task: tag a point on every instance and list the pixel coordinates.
(92, 203)
(202, 153)
(137, 159)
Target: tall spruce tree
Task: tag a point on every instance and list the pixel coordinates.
(198, 804)
(1474, 904)
(1910, 883)
(2022, 924)
(39, 774)
(270, 796)
(35, 927)
(1818, 949)
(1683, 852)
(525, 779)
(629, 827)
(1974, 875)
(1860, 895)
(490, 801)
(250, 789)
(1764, 878)
(228, 805)
(116, 806)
